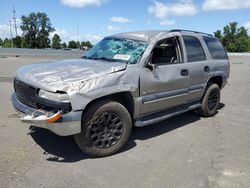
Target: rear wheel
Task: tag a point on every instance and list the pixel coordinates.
(210, 101)
(106, 127)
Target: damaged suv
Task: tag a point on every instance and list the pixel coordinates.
(129, 79)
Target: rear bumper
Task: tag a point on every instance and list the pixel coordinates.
(63, 124)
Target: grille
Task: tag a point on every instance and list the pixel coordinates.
(26, 93)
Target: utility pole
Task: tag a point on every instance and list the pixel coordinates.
(14, 18)
(78, 42)
(11, 33)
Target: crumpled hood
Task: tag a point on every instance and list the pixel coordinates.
(61, 74)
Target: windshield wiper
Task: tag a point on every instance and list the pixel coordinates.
(102, 58)
(105, 59)
(85, 57)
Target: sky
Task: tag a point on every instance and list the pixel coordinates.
(94, 19)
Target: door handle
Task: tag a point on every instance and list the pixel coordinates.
(206, 68)
(184, 72)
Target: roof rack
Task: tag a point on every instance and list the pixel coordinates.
(183, 30)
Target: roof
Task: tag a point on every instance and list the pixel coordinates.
(151, 34)
(141, 35)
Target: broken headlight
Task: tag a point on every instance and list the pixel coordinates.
(58, 96)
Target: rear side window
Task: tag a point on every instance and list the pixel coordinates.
(194, 49)
(215, 48)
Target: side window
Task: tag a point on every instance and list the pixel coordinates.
(167, 51)
(194, 49)
(215, 48)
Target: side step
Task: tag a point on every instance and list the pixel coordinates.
(162, 115)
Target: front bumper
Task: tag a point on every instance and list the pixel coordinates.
(64, 124)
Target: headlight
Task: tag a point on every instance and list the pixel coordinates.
(59, 97)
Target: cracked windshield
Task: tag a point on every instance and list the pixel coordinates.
(118, 50)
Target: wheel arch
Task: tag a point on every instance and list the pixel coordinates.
(217, 80)
(125, 98)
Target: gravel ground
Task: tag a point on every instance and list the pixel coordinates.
(185, 151)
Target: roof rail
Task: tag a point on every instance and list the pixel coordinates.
(183, 30)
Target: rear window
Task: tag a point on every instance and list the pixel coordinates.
(215, 48)
(194, 49)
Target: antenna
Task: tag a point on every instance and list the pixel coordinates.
(11, 33)
(14, 18)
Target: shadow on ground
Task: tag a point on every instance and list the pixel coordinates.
(64, 149)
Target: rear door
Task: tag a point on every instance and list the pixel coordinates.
(197, 65)
(219, 62)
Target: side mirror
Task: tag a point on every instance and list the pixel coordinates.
(151, 66)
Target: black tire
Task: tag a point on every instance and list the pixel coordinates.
(106, 127)
(210, 101)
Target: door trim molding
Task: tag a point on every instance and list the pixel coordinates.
(164, 98)
(171, 94)
(164, 95)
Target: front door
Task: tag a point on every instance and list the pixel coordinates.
(166, 85)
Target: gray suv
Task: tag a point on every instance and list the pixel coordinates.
(129, 79)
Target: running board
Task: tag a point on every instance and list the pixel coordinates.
(166, 114)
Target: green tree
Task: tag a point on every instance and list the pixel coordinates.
(72, 44)
(242, 40)
(64, 45)
(17, 42)
(234, 39)
(56, 40)
(89, 44)
(1, 42)
(218, 34)
(86, 43)
(24, 43)
(248, 44)
(36, 28)
(78, 44)
(7, 43)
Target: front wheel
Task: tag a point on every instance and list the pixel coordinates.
(106, 127)
(210, 101)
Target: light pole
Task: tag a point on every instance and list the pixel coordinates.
(11, 33)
